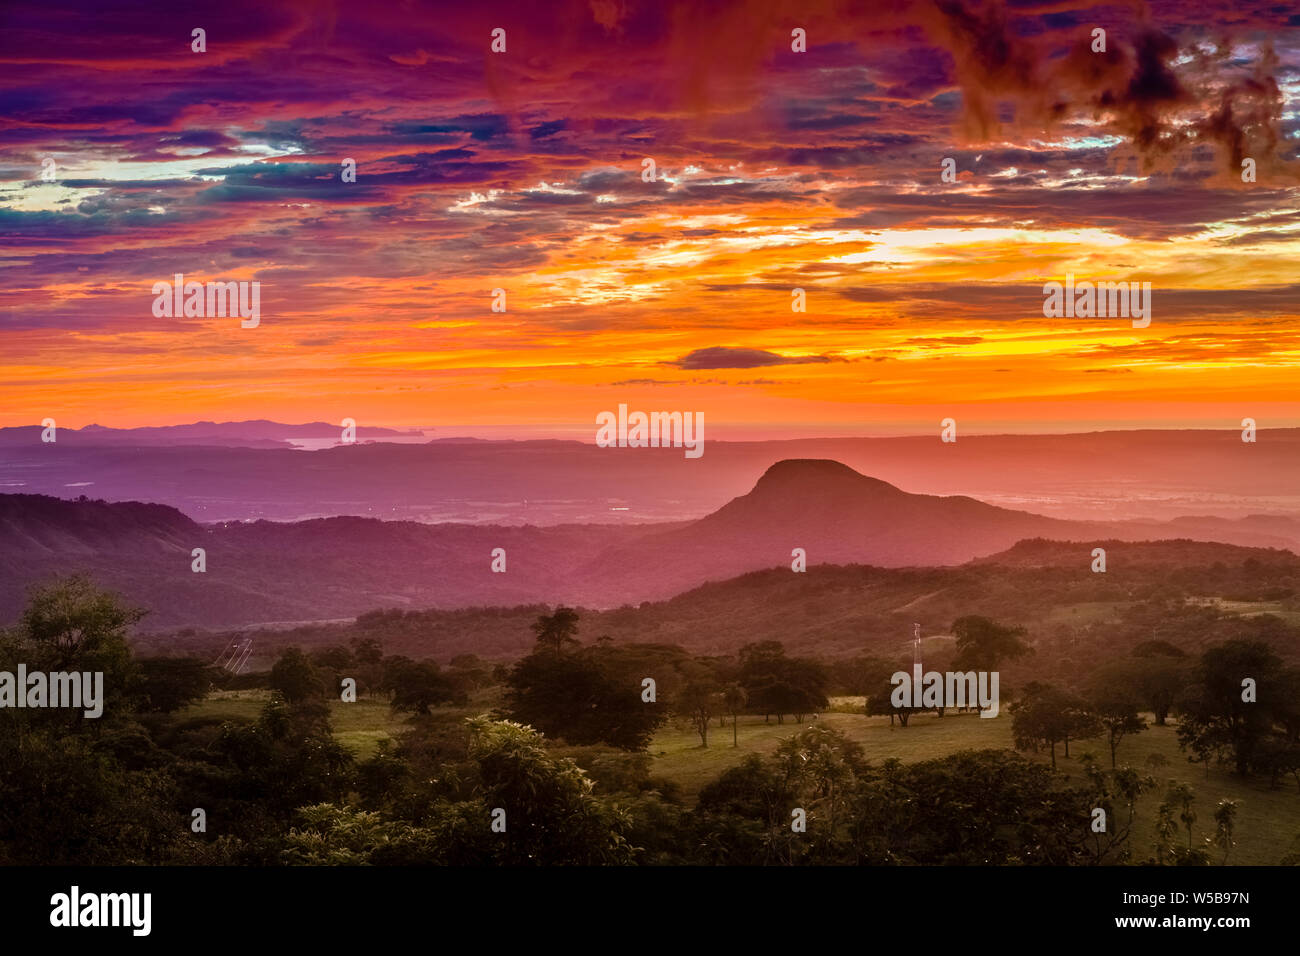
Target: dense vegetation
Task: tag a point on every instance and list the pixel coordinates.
(1193, 594)
(544, 761)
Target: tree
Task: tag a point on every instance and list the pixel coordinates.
(1215, 716)
(332, 665)
(294, 676)
(166, 684)
(733, 701)
(699, 701)
(1277, 756)
(472, 670)
(71, 625)
(1225, 826)
(1120, 789)
(1080, 721)
(551, 815)
(367, 651)
(880, 702)
(368, 656)
(583, 698)
(1178, 808)
(777, 684)
(262, 772)
(743, 815)
(558, 629)
(1158, 674)
(1286, 709)
(822, 766)
(65, 802)
(332, 835)
(760, 665)
(808, 678)
(1117, 712)
(78, 625)
(982, 644)
(418, 685)
(1013, 811)
(1046, 715)
(77, 790)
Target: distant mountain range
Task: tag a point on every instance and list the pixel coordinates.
(338, 567)
(258, 433)
(248, 470)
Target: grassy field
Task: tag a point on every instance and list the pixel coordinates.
(1254, 608)
(679, 757)
(359, 726)
(1268, 821)
(1087, 612)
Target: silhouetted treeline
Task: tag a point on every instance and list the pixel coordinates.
(544, 762)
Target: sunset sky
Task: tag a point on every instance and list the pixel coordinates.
(776, 170)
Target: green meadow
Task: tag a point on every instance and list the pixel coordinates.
(359, 726)
(1268, 821)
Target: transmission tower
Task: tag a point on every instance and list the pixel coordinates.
(235, 657)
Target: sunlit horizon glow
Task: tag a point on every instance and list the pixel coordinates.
(522, 171)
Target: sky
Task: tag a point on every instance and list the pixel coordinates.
(774, 170)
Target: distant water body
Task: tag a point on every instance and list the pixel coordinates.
(316, 444)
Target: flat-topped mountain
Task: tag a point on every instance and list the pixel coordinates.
(264, 571)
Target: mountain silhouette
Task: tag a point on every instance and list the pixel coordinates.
(837, 516)
(337, 567)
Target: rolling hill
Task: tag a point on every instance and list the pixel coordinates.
(330, 568)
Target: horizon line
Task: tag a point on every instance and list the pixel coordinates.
(569, 432)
